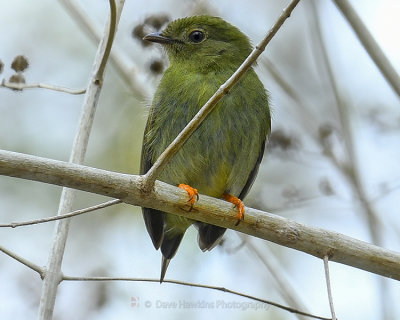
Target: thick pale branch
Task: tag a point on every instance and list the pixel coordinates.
(52, 275)
(315, 241)
(178, 142)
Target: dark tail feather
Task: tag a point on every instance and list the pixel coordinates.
(154, 221)
(209, 235)
(169, 247)
(164, 265)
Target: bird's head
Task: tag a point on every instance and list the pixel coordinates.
(203, 43)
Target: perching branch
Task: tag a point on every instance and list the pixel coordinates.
(178, 142)
(314, 241)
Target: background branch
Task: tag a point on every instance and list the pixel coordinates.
(53, 272)
(62, 216)
(370, 45)
(197, 285)
(118, 58)
(190, 284)
(328, 287)
(25, 262)
(281, 283)
(22, 86)
(350, 168)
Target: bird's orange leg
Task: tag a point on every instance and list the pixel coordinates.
(238, 204)
(192, 192)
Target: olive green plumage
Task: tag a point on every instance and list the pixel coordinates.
(223, 154)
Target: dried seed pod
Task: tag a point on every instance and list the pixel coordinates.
(157, 66)
(20, 63)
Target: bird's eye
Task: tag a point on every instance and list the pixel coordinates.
(196, 36)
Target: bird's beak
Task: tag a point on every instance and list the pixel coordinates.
(157, 37)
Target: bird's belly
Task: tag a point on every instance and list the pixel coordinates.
(213, 168)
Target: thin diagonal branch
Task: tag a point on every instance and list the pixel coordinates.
(25, 262)
(169, 152)
(370, 45)
(269, 260)
(315, 241)
(62, 216)
(122, 63)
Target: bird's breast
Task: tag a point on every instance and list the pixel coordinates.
(219, 156)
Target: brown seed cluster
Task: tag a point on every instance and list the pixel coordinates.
(150, 24)
(19, 65)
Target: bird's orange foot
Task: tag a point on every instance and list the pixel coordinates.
(238, 204)
(192, 192)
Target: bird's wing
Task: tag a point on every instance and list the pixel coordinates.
(154, 219)
(209, 235)
(253, 173)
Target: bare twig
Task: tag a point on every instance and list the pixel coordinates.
(118, 58)
(169, 152)
(370, 45)
(328, 287)
(53, 273)
(264, 225)
(110, 39)
(197, 285)
(62, 216)
(25, 262)
(22, 86)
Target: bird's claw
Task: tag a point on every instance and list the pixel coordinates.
(237, 204)
(192, 192)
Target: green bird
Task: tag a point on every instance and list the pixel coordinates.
(221, 158)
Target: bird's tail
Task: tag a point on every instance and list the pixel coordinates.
(209, 235)
(169, 247)
(164, 265)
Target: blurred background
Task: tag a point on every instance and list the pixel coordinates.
(332, 162)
